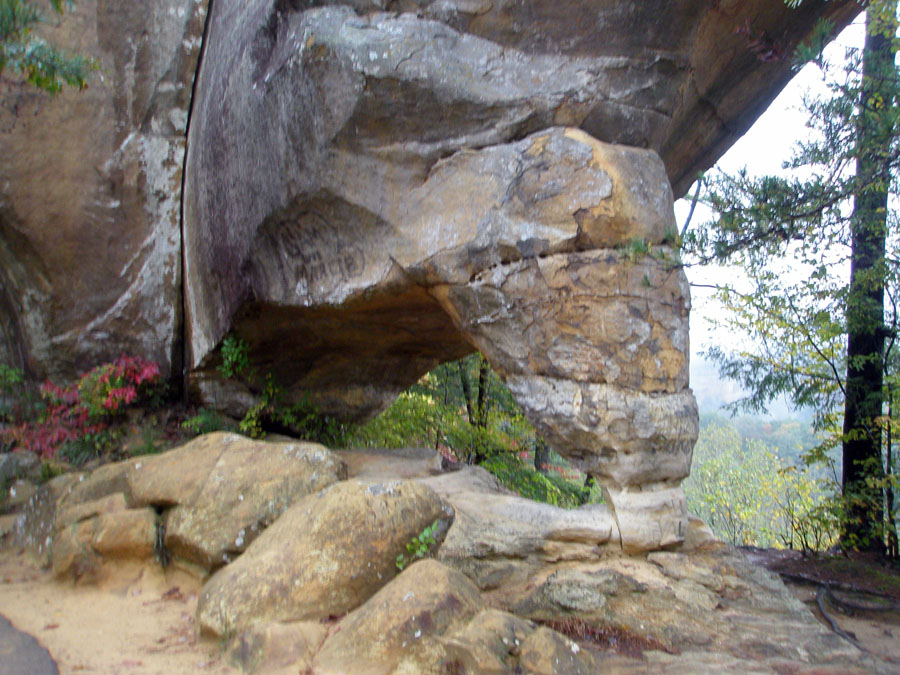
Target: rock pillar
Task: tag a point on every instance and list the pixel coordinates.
(594, 346)
(594, 343)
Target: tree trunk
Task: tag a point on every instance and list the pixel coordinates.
(541, 454)
(864, 398)
(467, 391)
(484, 370)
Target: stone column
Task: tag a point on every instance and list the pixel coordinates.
(594, 343)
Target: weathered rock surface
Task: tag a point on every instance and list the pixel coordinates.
(225, 489)
(90, 193)
(609, 334)
(499, 538)
(512, 239)
(700, 608)
(202, 503)
(323, 557)
(427, 600)
(105, 529)
(278, 647)
(21, 464)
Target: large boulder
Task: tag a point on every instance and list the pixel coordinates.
(225, 489)
(105, 529)
(323, 557)
(200, 504)
(425, 601)
(499, 538)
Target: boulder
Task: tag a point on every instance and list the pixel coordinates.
(499, 642)
(546, 652)
(424, 602)
(225, 489)
(106, 480)
(21, 464)
(202, 503)
(34, 525)
(490, 642)
(277, 647)
(87, 534)
(326, 555)
(499, 538)
(18, 494)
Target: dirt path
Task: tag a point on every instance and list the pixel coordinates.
(137, 620)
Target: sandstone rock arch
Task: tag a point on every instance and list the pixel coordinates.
(363, 245)
(363, 189)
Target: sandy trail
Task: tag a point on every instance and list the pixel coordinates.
(138, 619)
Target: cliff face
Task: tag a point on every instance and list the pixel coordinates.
(371, 189)
(90, 193)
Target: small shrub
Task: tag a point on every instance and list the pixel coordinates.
(418, 547)
(49, 471)
(91, 445)
(302, 419)
(525, 481)
(235, 358)
(108, 389)
(150, 442)
(205, 422)
(76, 418)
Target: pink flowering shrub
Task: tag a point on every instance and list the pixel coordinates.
(108, 389)
(72, 414)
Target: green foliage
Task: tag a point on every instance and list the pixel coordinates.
(518, 476)
(204, 422)
(86, 447)
(749, 495)
(418, 547)
(465, 411)
(415, 419)
(49, 471)
(12, 401)
(10, 378)
(634, 250)
(150, 443)
(235, 358)
(300, 419)
(42, 65)
(273, 412)
(461, 408)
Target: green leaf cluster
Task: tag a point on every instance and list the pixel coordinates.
(465, 411)
(22, 51)
(418, 547)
